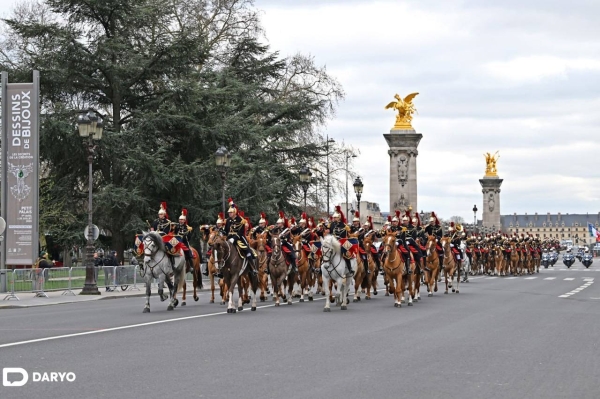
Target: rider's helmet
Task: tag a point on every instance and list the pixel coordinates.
(183, 216)
(303, 220)
(220, 219)
(263, 220)
(233, 210)
(162, 212)
(281, 222)
(356, 219)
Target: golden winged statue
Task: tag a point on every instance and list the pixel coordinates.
(405, 110)
(490, 164)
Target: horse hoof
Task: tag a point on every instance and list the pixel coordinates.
(268, 292)
(211, 301)
(322, 293)
(435, 290)
(146, 310)
(310, 298)
(170, 307)
(326, 309)
(374, 292)
(453, 290)
(277, 304)
(196, 298)
(410, 304)
(301, 299)
(285, 300)
(182, 303)
(355, 300)
(253, 309)
(387, 294)
(395, 305)
(368, 298)
(429, 294)
(344, 308)
(232, 310)
(445, 292)
(262, 299)
(457, 291)
(358, 299)
(240, 308)
(289, 302)
(176, 303)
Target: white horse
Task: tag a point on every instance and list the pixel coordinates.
(333, 267)
(158, 265)
(466, 263)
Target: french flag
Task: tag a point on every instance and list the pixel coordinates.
(593, 232)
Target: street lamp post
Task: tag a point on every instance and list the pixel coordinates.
(358, 189)
(305, 179)
(327, 146)
(348, 156)
(474, 217)
(422, 214)
(223, 162)
(90, 126)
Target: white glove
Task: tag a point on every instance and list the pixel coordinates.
(451, 245)
(231, 240)
(407, 243)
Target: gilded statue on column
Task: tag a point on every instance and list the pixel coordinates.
(405, 108)
(490, 161)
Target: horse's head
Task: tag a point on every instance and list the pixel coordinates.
(219, 249)
(389, 242)
(276, 246)
(297, 243)
(431, 243)
(153, 243)
(330, 246)
(261, 242)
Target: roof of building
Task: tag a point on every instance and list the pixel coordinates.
(556, 219)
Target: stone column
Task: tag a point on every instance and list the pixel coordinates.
(403, 168)
(491, 201)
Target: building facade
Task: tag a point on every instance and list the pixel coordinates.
(557, 226)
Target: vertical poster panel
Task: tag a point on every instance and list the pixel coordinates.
(21, 161)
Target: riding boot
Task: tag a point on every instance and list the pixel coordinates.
(293, 265)
(366, 265)
(349, 266)
(251, 263)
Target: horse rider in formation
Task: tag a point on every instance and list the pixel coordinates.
(235, 230)
(162, 223)
(183, 230)
(359, 231)
(340, 229)
(282, 230)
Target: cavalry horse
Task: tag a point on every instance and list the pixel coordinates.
(278, 270)
(515, 259)
(371, 280)
(451, 265)
(233, 266)
(394, 267)
(432, 265)
(196, 275)
(305, 269)
(260, 245)
(157, 265)
(209, 237)
(333, 269)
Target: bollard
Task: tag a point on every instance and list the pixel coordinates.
(11, 294)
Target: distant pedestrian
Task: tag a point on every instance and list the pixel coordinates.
(110, 261)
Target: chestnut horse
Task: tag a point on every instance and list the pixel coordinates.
(278, 271)
(432, 265)
(394, 268)
(450, 265)
(232, 265)
(306, 279)
(212, 267)
(371, 280)
(196, 275)
(260, 245)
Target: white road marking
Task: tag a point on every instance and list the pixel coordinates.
(491, 278)
(530, 278)
(576, 290)
(588, 279)
(510, 278)
(569, 279)
(550, 278)
(150, 323)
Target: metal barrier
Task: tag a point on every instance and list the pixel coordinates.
(27, 280)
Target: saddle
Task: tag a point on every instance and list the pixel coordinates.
(241, 247)
(349, 247)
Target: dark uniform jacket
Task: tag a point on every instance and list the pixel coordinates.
(162, 225)
(184, 231)
(339, 229)
(235, 228)
(435, 230)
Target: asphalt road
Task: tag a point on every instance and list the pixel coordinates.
(498, 338)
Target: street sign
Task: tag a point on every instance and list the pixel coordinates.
(2, 225)
(95, 232)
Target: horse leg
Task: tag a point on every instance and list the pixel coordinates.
(344, 285)
(211, 277)
(398, 289)
(148, 292)
(326, 292)
(446, 279)
(183, 296)
(240, 295)
(290, 288)
(457, 276)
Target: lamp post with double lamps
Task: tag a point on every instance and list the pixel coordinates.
(223, 162)
(474, 218)
(348, 156)
(305, 179)
(90, 127)
(327, 147)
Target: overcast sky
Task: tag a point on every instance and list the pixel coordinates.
(519, 76)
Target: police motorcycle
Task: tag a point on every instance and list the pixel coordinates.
(553, 257)
(568, 258)
(546, 259)
(587, 258)
(579, 255)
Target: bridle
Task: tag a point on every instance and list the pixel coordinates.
(328, 254)
(218, 261)
(149, 242)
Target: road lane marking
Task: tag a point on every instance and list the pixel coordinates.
(569, 279)
(530, 278)
(550, 278)
(576, 290)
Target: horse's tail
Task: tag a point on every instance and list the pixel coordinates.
(181, 273)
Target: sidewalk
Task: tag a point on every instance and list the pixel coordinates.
(28, 299)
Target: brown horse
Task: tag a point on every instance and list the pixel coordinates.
(278, 270)
(450, 265)
(394, 268)
(432, 265)
(212, 267)
(371, 282)
(233, 265)
(514, 260)
(305, 272)
(196, 275)
(498, 259)
(260, 245)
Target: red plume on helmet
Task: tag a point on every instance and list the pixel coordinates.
(163, 206)
(398, 215)
(304, 217)
(330, 218)
(357, 214)
(390, 218)
(312, 222)
(282, 217)
(338, 209)
(242, 214)
(221, 216)
(248, 224)
(183, 214)
(433, 215)
(292, 221)
(407, 214)
(451, 224)
(418, 219)
(370, 220)
(263, 216)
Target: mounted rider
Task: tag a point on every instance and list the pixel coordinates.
(184, 231)
(434, 228)
(339, 229)
(235, 228)
(282, 230)
(162, 223)
(456, 234)
(416, 233)
(357, 230)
